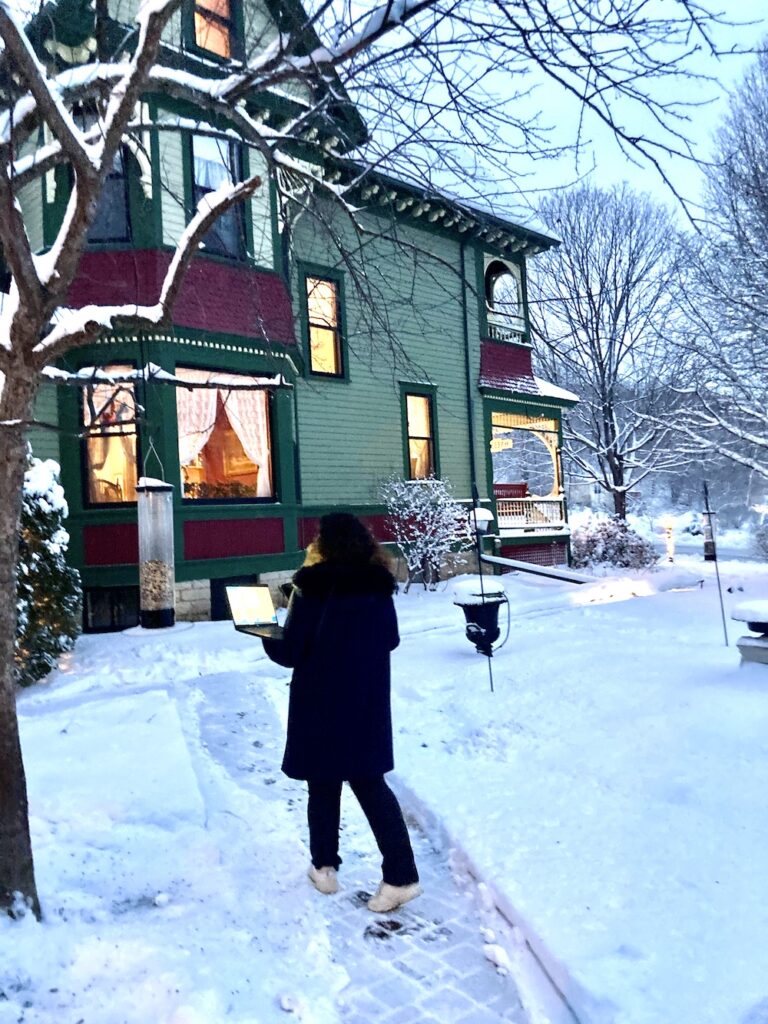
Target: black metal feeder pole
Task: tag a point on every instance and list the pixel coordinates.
(713, 558)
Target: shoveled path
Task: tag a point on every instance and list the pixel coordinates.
(424, 963)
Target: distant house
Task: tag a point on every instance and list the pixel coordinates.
(293, 380)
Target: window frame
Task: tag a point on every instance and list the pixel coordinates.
(241, 210)
(234, 23)
(85, 119)
(429, 392)
(85, 466)
(274, 498)
(335, 277)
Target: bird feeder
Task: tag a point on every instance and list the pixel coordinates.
(708, 523)
(480, 601)
(154, 499)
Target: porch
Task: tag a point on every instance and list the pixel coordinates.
(519, 512)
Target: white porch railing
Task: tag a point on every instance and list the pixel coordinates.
(530, 513)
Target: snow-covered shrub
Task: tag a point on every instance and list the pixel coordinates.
(49, 595)
(760, 540)
(426, 522)
(610, 541)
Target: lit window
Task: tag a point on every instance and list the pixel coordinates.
(214, 28)
(421, 449)
(324, 335)
(224, 438)
(109, 420)
(216, 162)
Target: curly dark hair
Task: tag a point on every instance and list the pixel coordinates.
(344, 538)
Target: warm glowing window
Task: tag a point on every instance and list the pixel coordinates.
(224, 437)
(421, 447)
(109, 421)
(216, 162)
(324, 333)
(214, 28)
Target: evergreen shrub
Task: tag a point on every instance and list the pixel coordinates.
(49, 594)
(611, 541)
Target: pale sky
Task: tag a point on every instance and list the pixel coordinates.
(610, 165)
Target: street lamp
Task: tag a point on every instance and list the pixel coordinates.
(668, 525)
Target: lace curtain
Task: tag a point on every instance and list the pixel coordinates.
(247, 412)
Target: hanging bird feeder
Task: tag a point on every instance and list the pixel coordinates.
(154, 499)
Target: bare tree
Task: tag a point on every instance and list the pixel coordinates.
(421, 71)
(603, 305)
(725, 412)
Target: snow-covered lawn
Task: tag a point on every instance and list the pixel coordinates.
(611, 792)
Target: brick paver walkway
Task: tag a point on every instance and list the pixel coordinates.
(423, 963)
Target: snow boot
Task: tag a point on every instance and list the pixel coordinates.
(390, 897)
(324, 879)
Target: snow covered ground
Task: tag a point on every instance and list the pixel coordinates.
(610, 792)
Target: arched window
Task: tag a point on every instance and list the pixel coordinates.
(502, 298)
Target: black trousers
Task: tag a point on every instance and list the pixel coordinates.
(383, 812)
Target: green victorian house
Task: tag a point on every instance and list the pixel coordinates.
(305, 363)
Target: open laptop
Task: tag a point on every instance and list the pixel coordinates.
(253, 611)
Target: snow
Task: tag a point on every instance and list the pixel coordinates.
(750, 611)
(610, 794)
(472, 591)
(41, 479)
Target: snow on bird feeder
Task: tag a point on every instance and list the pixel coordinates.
(154, 499)
(755, 614)
(480, 519)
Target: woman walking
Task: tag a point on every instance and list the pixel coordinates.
(340, 630)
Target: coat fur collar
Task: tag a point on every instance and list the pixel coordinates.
(321, 579)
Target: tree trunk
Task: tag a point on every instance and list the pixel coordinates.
(620, 504)
(17, 874)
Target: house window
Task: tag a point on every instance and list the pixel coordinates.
(216, 162)
(502, 297)
(214, 26)
(421, 442)
(109, 422)
(324, 330)
(112, 221)
(224, 437)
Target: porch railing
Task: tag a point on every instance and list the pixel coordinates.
(530, 513)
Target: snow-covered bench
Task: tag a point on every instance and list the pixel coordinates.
(755, 614)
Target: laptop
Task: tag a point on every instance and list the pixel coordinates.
(253, 611)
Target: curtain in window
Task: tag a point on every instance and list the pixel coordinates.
(247, 414)
(211, 163)
(196, 414)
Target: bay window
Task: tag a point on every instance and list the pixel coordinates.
(224, 436)
(109, 422)
(214, 26)
(217, 162)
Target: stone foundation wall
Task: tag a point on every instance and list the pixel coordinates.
(193, 601)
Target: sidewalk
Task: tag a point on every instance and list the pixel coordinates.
(424, 963)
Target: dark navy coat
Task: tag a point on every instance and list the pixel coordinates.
(340, 629)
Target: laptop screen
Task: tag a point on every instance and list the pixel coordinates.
(251, 606)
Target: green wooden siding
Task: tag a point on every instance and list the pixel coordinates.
(402, 298)
(45, 443)
(172, 195)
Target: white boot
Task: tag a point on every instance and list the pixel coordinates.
(389, 897)
(324, 879)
